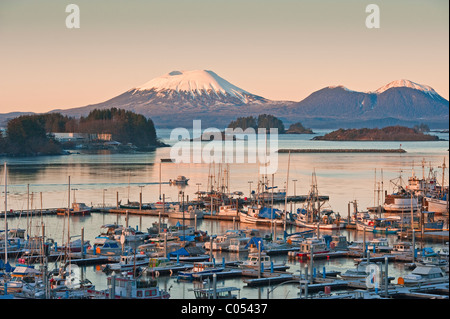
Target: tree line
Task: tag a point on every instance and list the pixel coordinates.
(30, 134)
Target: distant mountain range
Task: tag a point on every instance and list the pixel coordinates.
(178, 97)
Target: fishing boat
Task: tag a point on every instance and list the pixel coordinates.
(424, 275)
(189, 254)
(430, 223)
(126, 286)
(401, 201)
(328, 220)
(105, 246)
(180, 180)
(216, 293)
(225, 211)
(127, 262)
(75, 246)
(78, 209)
(200, 269)
(437, 205)
(191, 212)
(311, 215)
(261, 259)
(359, 272)
(136, 205)
(263, 216)
(129, 234)
(163, 265)
(238, 244)
(317, 246)
(222, 242)
(380, 245)
(378, 225)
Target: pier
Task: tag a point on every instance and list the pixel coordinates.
(341, 150)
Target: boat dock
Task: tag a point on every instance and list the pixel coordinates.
(342, 150)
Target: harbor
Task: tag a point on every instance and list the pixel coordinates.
(156, 220)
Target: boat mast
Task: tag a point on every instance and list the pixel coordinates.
(6, 214)
(285, 196)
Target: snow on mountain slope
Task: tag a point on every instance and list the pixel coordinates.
(407, 84)
(197, 83)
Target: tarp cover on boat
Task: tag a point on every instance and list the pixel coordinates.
(255, 242)
(269, 213)
(187, 251)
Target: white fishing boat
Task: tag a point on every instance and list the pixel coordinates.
(437, 205)
(129, 234)
(328, 220)
(126, 286)
(381, 245)
(228, 211)
(215, 293)
(127, 262)
(188, 213)
(238, 244)
(401, 201)
(254, 260)
(424, 275)
(222, 242)
(359, 272)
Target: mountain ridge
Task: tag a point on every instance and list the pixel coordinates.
(178, 97)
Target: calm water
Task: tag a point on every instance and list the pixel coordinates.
(97, 178)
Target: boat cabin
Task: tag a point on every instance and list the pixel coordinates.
(218, 293)
(129, 287)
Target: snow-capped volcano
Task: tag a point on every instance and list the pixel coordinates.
(202, 87)
(406, 84)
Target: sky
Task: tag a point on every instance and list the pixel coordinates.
(281, 50)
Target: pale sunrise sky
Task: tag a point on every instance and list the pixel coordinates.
(281, 50)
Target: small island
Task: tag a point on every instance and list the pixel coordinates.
(298, 128)
(389, 133)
